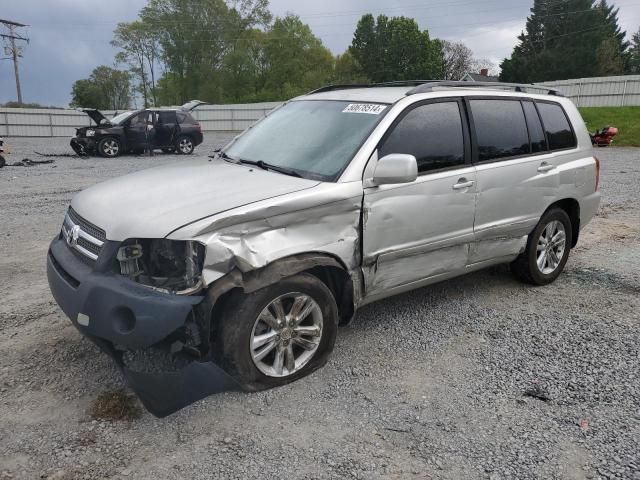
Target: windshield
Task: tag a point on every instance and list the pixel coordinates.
(119, 118)
(314, 138)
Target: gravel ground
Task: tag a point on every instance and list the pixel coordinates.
(478, 377)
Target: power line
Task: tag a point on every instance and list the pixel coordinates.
(14, 51)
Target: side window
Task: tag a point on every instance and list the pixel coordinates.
(166, 117)
(536, 132)
(557, 126)
(139, 120)
(501, 129)
(432, 133)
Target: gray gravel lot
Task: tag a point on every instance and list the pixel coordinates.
(430, 384)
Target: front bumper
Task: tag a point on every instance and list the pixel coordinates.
(83, 145)
(118, 314)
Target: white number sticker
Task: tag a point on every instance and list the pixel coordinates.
(370, 108)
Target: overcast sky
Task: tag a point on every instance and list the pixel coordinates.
(71, 37)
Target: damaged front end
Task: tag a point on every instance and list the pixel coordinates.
(141, 301)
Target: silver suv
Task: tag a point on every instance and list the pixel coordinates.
(234, 272)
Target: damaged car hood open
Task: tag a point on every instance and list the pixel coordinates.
(152, 203)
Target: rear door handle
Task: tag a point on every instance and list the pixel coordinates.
(462, 184)
(545, 167)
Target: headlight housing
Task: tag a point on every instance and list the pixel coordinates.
(170, 266)
(91, 133)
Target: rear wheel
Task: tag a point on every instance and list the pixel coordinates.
(185, 145)
(547, 249)
(109, 147)
(278, 334)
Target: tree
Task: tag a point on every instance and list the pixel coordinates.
(196, 37)
(562, 39)
(105, 89)
(347, 70)
(396, 49)
(140, 47)
(634, 54)
(459, 60)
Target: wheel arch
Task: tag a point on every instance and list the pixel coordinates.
(327, 268)
(572, 207)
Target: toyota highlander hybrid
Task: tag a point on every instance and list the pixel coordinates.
(235, 272)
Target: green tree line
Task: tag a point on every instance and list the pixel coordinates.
(234, 51)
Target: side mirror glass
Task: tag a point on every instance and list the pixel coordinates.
(396, 168)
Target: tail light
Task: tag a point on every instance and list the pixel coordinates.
(199, 127)
(597, 172)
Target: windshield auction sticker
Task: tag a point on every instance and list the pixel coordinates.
(370, 108)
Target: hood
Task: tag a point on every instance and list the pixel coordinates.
(95, 115)
(153, 203)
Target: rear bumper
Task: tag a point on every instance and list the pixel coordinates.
(118, 315)
(589, 206)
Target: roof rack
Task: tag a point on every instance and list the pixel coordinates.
(398, 83)
(428, 86)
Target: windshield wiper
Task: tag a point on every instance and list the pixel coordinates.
(275, 168)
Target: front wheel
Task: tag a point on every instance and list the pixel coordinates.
(278, 334)
(547, 249)
(109, 147)
(184, 145)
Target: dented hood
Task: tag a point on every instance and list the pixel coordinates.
(153, 203)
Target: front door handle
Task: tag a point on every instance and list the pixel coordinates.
(545, 167)
(462, 184)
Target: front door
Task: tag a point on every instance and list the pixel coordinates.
(137, 131)
(421, 230)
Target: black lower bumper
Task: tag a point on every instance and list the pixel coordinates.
(118, 314)
(83, 146)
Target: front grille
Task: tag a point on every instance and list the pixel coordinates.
(82, 236)
(90, 228)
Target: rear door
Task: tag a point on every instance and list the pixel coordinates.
(166, 126)
(516, 175)
(423, 229)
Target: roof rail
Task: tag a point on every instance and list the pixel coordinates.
(398, 83)
(517, 87)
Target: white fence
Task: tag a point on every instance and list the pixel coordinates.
(35, 122)
(23, 122)
(623, 91)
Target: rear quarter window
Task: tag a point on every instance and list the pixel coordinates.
(501, 129)
(557, 126)
(184, 117)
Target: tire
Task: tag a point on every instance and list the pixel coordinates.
(241, 324)
(109, 147)
(185, 145)
(553, 259)
(2, 161)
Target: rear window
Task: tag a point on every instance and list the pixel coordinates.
(184, 117)
(557, 126)
(432, 133)
(501, 129)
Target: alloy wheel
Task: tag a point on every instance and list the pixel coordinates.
(551, 247)
(186, 145)
(110, 148)
(286, 335)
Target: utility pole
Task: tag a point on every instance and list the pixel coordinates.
(14, 51)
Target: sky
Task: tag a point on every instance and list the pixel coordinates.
(69, 38)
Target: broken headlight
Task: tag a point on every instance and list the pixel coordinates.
(91, 133)
(170, 266)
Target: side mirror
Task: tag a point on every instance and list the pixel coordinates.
(396, 168)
